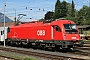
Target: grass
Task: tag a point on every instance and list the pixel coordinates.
(86, 40)
(87, 32)
(27, 58)
(23, 58)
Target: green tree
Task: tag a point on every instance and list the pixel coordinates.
(63, 9)
(57, 10)
(73, 9)
(84, 12)
(48, 15)
(69, 9)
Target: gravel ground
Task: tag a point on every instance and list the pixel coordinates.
(46, 52)
(17, 55)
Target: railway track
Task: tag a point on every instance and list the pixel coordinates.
(86, 45)
(45, 54)
(80, 51)
(7, 58)
(86, 41)
(83, 48)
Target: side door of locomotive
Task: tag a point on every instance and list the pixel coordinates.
(57, 34)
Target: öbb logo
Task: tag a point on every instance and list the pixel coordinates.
(41, 32)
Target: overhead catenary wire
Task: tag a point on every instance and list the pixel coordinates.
(28, 8)
(31, 8)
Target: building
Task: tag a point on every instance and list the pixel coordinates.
(83, 28)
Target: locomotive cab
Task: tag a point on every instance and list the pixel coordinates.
(72, 33)
(66, 34)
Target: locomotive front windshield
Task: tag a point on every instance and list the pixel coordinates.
(70, 28)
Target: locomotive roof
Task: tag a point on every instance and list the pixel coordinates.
(56, 22)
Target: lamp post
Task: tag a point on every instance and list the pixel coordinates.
(4, 21)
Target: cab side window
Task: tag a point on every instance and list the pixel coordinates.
(57, 28)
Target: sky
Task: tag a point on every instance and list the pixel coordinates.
(39, 7)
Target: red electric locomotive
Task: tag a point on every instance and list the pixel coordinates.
(56, 34)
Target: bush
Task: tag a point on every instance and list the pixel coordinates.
(27, 58)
